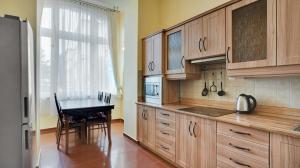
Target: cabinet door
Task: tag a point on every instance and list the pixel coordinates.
(207, 149)
(194, 39)
(285, 152)
(157, 54)
(175, 61)
(187, 141)
(148, 55)
(142, 125)
(214, 34)
(150, 117)
(251, 34)
(288, 25)
(183, 125)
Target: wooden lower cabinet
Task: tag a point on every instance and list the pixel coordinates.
(195, 142)
(146, 123)
(241, 147)
(285, 152)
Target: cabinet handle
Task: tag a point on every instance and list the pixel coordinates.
(164, 147)
(146, 118)
(165, 123)
(182, 59)
(239, 163)
(152, 66)
(204, 39)
(164, 133)
(143, 114)
(190, 128)
(149, 66)
(200, 45)
(227, 55)
(194, 130)
(165, 114)
(241, 148)
(241, 133)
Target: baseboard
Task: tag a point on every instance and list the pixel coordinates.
(133, 140)
(120, 120)
(51, 130)
(48, 130)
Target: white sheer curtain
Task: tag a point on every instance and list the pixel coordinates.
(78, 55)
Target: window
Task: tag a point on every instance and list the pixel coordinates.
(75, 54)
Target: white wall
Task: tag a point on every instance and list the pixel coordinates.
(130, 23)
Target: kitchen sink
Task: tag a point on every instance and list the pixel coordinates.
(297, 129)
(212, 112)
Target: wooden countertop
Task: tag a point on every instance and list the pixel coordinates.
(258, 120)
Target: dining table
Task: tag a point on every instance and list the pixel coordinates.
(80, 107)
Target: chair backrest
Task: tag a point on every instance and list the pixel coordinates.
(107, 98)
(100, 96)
(58, 108)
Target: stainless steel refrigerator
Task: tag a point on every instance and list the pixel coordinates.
(17, 89)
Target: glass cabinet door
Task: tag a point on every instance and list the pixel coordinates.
(251, 32)
(175, 62)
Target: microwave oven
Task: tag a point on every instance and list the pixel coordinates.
(153, 89)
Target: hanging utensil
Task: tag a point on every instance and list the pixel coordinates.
(221, 92)
(205, 90)
(213, 87)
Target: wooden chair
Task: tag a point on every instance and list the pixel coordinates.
(74, 124)
(98, 121)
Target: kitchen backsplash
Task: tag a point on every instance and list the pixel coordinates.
(275, 91)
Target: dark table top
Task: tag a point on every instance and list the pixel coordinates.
(84, 105)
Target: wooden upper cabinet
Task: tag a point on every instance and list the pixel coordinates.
(148, 55)
(153, 55)
(288, 25)
(205, 37)
(157, 54)
(194, 40)
(285, 151)
(175, 61)
(251, 34)
(214, 34)
(176, 65)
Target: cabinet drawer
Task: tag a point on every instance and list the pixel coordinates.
(165, 133)
(165, 114)
(244, 133)
(162, 123)
(166, 149)
(248, 148)
(230, 159)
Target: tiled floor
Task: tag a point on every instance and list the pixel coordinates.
(123, 153)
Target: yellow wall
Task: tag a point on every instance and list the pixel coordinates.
(149, 21)
(22, 8)
(175, 11)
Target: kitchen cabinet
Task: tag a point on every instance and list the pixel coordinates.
(242, 147)
(153, 55)
(285, 151)
(251, 34)
(165, 134)
(195, 142)
(288, 25)
(176, 66)
(206, 36)
(146, 123)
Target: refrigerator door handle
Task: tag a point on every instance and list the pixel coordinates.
(26, 106)
(26, 140)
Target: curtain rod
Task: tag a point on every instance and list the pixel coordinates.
(114, 9)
